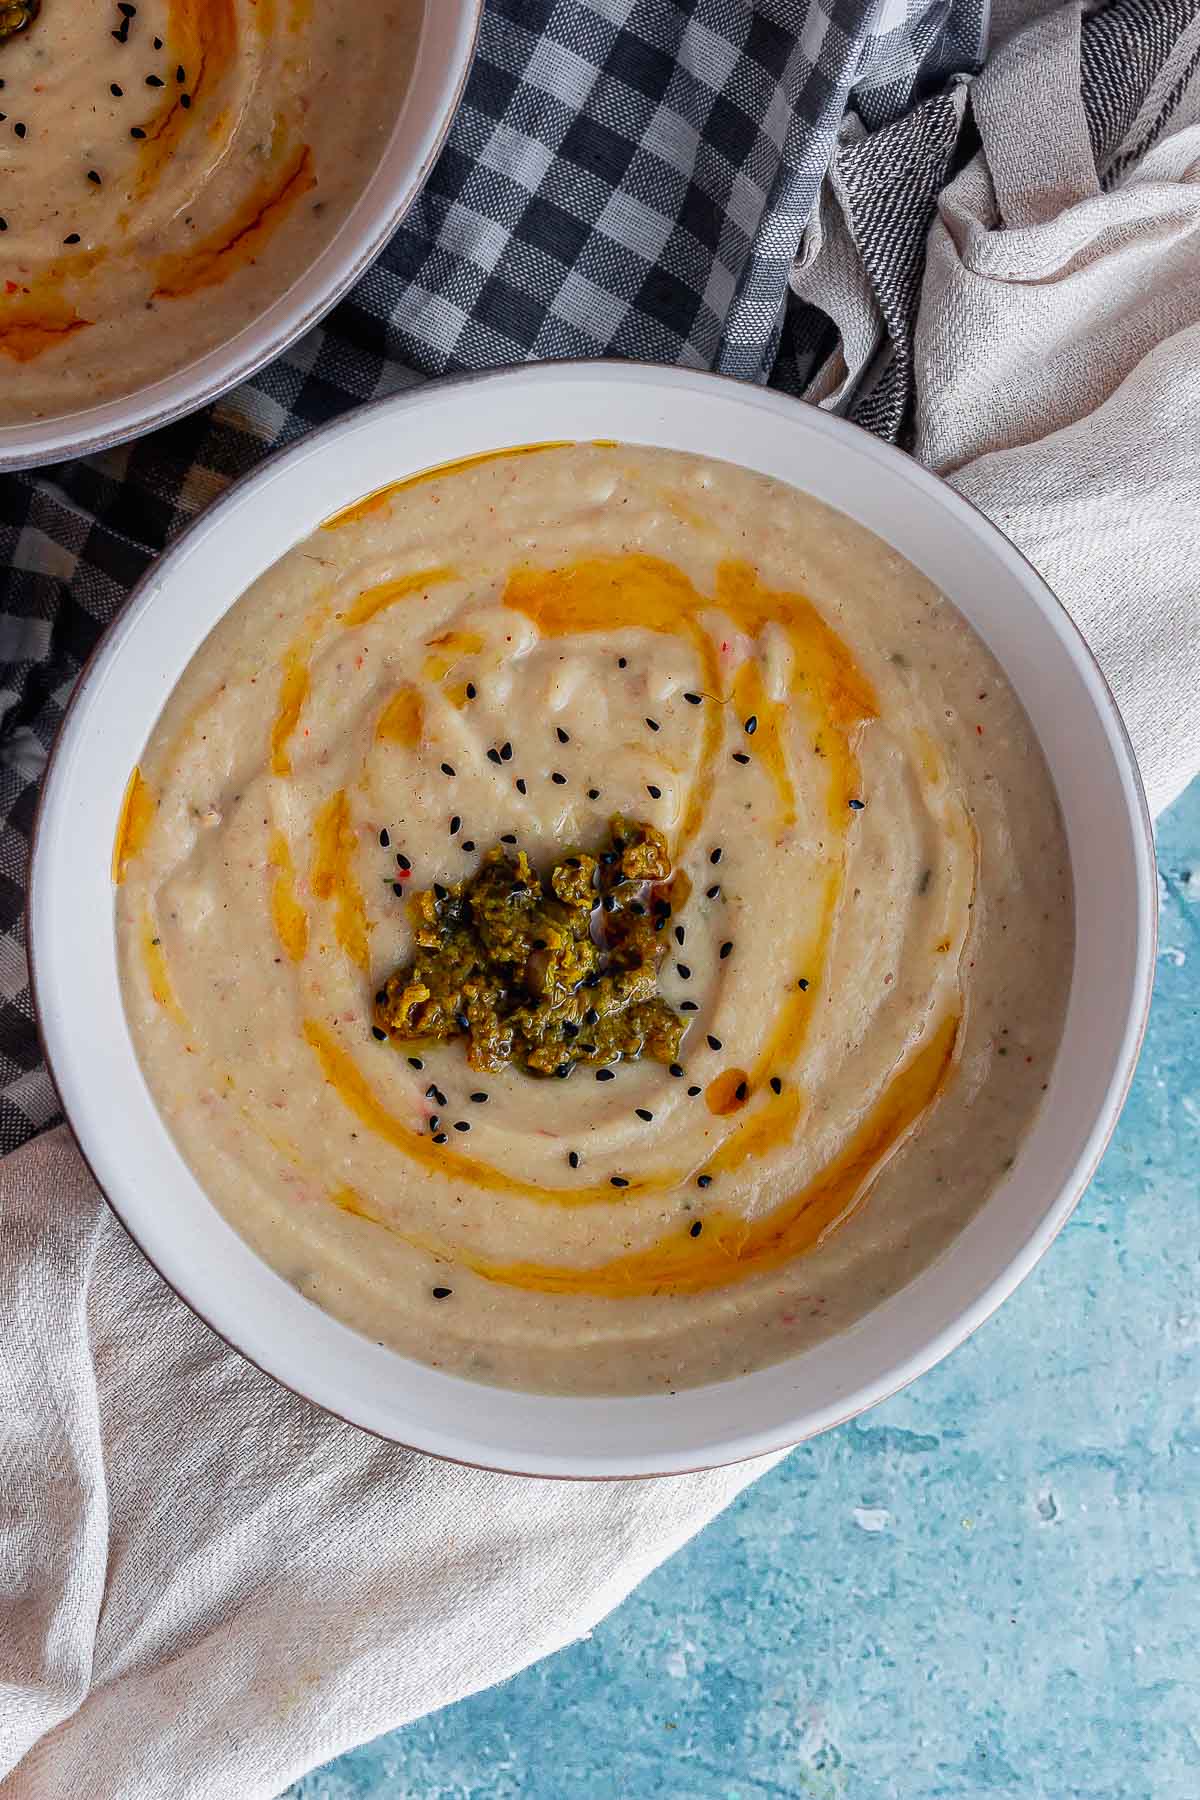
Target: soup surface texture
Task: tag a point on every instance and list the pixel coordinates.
(867, 932)
(168, 170)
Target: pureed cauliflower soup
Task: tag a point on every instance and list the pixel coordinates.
(168, 169)
(594, 919)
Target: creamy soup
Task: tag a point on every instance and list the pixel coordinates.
(869, 936)
(168, 169)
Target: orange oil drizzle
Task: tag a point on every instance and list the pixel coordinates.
(241, 239)
(155, 962)
(290, 918)
(334, 843)
(138, 808)
(380, 498)
(377, 599)
(402, 719)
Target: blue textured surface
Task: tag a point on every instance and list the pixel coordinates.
(986, 1587)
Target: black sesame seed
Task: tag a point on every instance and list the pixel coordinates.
(562, 1071)
(181, 74)
(455, 825)
(135, 131)
(440, 892)
(564, 737)
(714, 1043)
(802, 985)
(622, 662)
(479, 1098)
(591, 1016)
(461, 1125)
(604, 1075)
(20, 130)
(655, 793)
(608, 903)
(573, 1158)
(431, 1091)
(398, 888)
(472, 690)
(776, 1085)
(857, 805)
(688, 1006)
(679, 934)
(440, 1138)
(508, 837)
(643, 1112)
(695, 1228)
(593, 793)
(506, 752)
(415, 1062)
(380, 997)
(654, 724)
(712, 893)
(558, 780)
(154, 81)
(521, 788)
(378, 1035)
(402, 862)
(570, 1029)
(441, 1293)
(693, 699)
(117, 92)
(464, 1024)
(185, 100)
(617, 1181)
(751, 725)
(739, 756)
(741, 1090)
(384, 839)
(675, 1069)
(685, 974)
(725, 949)
(127, 8)
(73, 239)
(468, 844)
(3, 224)
(693, 1091)
(714, 856)
(494, 755)
(434, 1121)
(447, 769)
(704, 1181)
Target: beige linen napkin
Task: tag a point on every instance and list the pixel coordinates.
(206, 1585)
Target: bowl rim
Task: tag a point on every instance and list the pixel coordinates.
(33, 445)
(1055, 1213)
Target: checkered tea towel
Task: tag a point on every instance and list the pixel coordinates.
(623, 177)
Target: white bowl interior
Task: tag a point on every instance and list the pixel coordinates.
(135, 1161)
(443, 57)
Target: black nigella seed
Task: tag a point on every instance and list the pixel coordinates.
(570, 1029)
(857, 805)
(378, 1035)
(593, 793)
(185, 100)
(20, 130)
(461, 1125)
(643, 1112)
(739, 756)
(508, 837)
(73, 239)
(653, 724)
(447, 769)
(398, 888)
(135, 131)
(564, 737)
(431, 1091)
(692, 1092)
(675, 1069)
(468, 844)
(415, 1062)
(725, 950)
(558, 780)
(713, 893)
(181, 74)
(117, 92)
(655, 793)
(689, 1006)
(562, 1071)
(622, 662)
(714, 856)
(802, 985)
(696, 1228)
(402, 861)
(591, 1016)
(380, 997)
(776, 1085)
(472, 690)
(439, 892)
(127, 8)
(693, 699)
(604, 1075)
(154, 81)
(440, 1138)
(434, 1121)
(608, 903)
(685, 974)
(521, 788)
(122, 32)
(455, 824)
(385, 841)
(506, 752)
(479, 1098)
(679, 934)
(441, 1293)
(714, 1043)
(704, 1181)
(751, 725)
(573, 1158)
(740, 1091)
(494, 755)
(3, 224)
(464, 1024)
(617, 1181)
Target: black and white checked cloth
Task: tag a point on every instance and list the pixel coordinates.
(624, 177)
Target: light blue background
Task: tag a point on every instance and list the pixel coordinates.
(986, 1587)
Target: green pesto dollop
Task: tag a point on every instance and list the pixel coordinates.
(543, 973)
(15, 15)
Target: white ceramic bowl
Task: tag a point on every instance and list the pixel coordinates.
(78, 991)
(444, 50)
